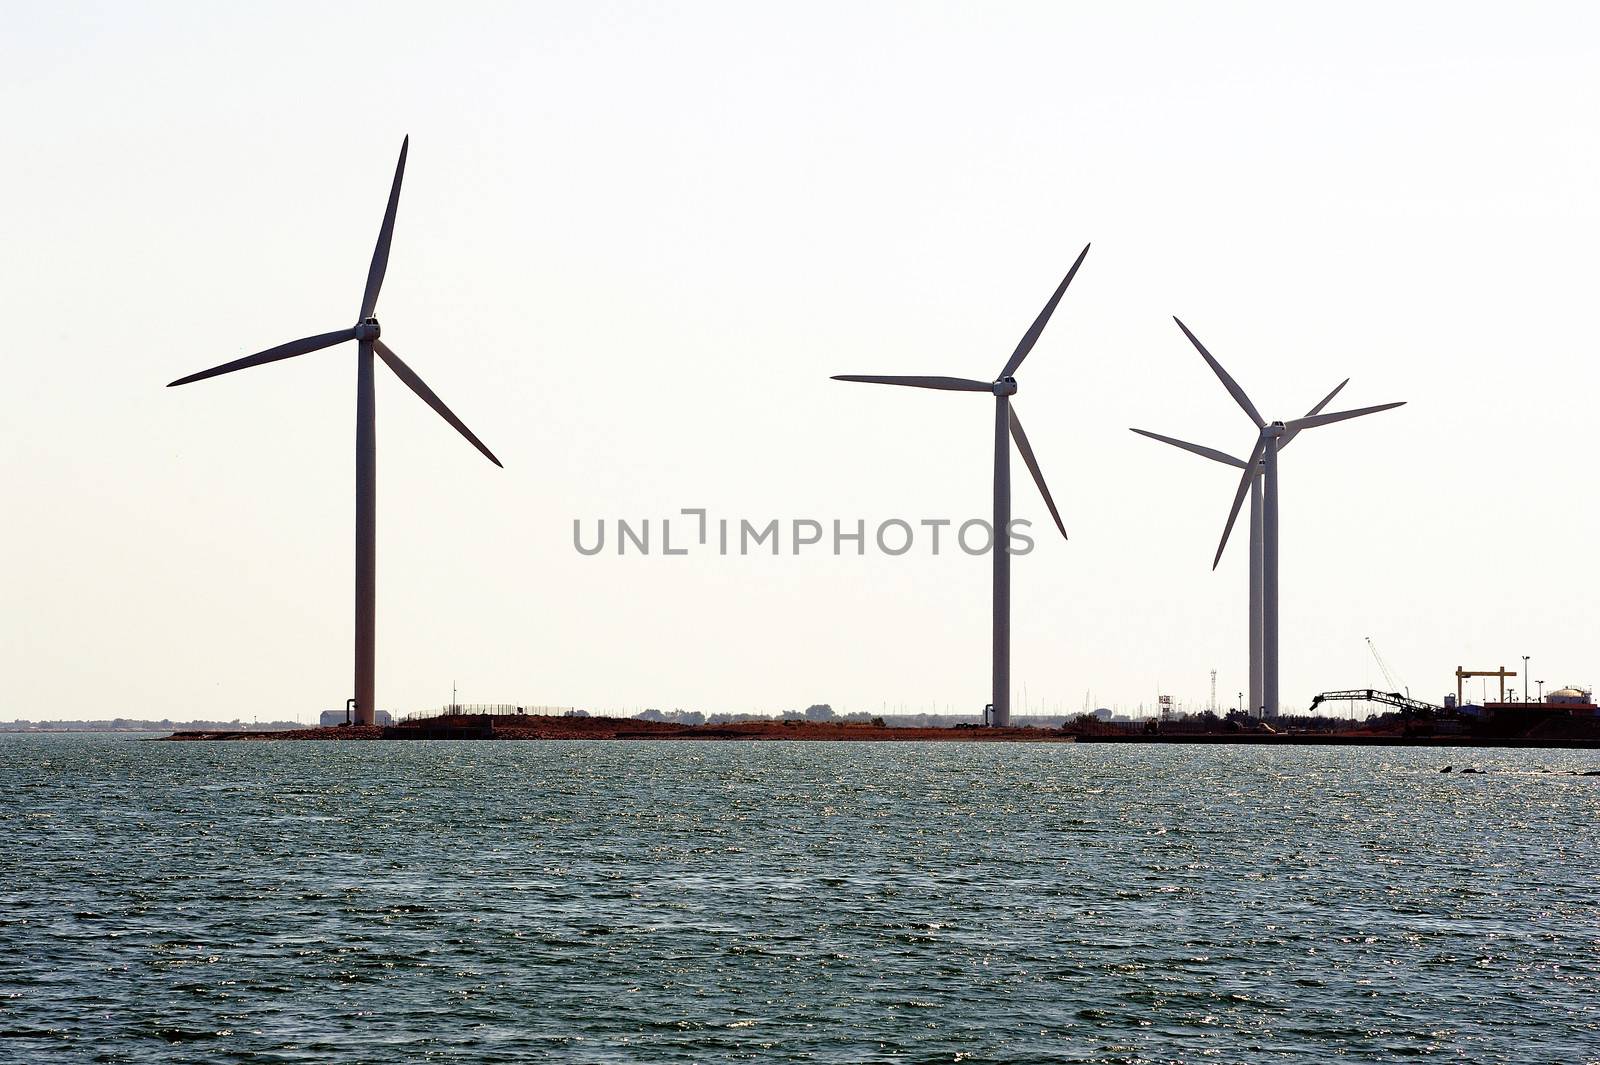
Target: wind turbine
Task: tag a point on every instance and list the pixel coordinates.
(1214, 455)
(1260, 480)
(1006, 423)
(365, 333)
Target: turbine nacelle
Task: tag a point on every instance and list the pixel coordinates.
(1005, 386)
(368, 329)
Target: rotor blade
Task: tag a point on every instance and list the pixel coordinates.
(1337, 416)
(380, 254)
(1227, 382)
(1204, 452)
(948, 384)
(1033, 467)
(282, 351)
(1032, 336)
(1245, 478)
(1318, 409)
(417, 385)
(1291, 434)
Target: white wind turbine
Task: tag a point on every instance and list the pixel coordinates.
(365, 333)
(1255, 537)
(1007, 428)
(1260, 480)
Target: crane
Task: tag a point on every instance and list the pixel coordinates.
(1405, 704)
(1388, 674)
(1502, 673)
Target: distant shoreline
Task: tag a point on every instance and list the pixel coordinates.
(1336, 739)
(112, 731)
(531, 727)
(519, 727)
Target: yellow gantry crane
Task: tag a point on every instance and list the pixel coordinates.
(1502, 673)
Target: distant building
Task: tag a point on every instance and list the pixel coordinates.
(1571, 703)
(337, 717)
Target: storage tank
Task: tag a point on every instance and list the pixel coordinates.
(1568, 695)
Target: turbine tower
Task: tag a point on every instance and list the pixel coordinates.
(1260, 480)
(365, 333)
(1256, 700)
(1006, 423)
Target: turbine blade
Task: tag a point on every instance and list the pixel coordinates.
(1227, 382)
(282, 351)
(1033, 467)
(1204, 452)
(1337, 416)
(420, 387)
(1318, 409)
(1292, 433)
(1032, 336)
(948, 384)
(380, 254)
(1245, 478)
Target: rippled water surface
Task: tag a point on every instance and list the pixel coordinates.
(660, 902)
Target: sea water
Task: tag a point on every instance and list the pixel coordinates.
(794, 902)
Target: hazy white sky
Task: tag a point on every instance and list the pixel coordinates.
(635, 241)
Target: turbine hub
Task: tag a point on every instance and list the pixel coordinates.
(1006, 386)
(368, 329)
(1273, 429)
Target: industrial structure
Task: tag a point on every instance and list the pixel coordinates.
(334, 718)
(1565, 713)
(1260, 481)
(1006, 425)
(1372, 695)
(365, 333)
(1463, 674)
